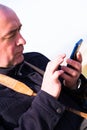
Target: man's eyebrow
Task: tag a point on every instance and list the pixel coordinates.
(12, 31)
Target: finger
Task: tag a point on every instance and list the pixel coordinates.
(53, 65)
(57, 74)
(66, 77)
(75, 64)
(71, 71)
(79, 57)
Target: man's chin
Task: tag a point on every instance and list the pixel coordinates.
(19, 60)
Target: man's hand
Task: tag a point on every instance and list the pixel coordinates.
(51, 83)
(72, 74)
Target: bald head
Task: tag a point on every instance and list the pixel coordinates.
(7, 16)
(4, 8)
(11, 40)
(4, 11)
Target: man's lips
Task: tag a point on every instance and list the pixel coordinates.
(20, 51)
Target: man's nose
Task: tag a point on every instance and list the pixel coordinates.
(21, 40)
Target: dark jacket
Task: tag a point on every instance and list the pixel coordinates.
(41, 112)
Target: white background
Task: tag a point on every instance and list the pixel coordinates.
(51, 26)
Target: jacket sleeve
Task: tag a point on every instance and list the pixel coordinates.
(44, 113)
(79, 95)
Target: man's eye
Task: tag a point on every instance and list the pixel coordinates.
(10, 36)
(13, 35)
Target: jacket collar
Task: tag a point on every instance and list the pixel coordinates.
(10, 70)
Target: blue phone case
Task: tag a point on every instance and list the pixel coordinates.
(75, 49)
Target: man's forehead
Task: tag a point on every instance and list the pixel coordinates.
(8, 26)
(7, 14)
(8, 23)
(4, 9)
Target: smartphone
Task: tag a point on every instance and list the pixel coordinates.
(83, 51)
(75, 50)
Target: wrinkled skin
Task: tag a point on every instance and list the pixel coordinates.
(11, 41)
